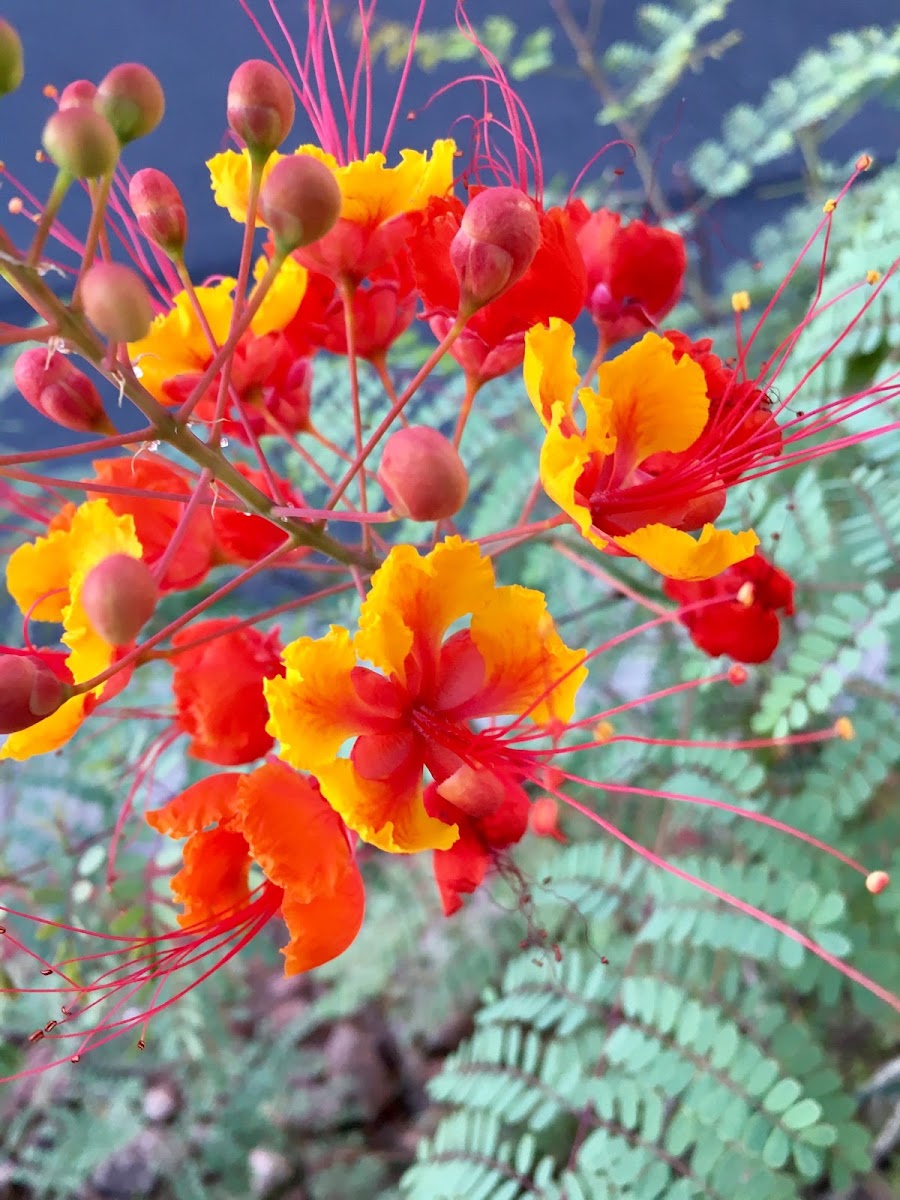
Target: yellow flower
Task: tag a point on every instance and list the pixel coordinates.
(648, 406)
(45, 578)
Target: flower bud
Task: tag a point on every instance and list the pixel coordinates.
(12, 60)
(81, 142)
(260, 107)
(116, 302)
(132, 100)
(29, 691)
(422, 474)
(159, 210)
(495, 245)
(475, 790)
(119, 597)
(543, 818)
(300, 201)
(57, 389)
(79, 93)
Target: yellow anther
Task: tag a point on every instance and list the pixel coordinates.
(872, 276)
(15, 205)
(50, 91)
(877, 881)
(843, 727)
(746, 594)
(864, 162)
(740, 301)
(829, 206)
(604, 731)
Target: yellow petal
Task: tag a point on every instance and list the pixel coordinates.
(37, 568)
(413, 600)
(282, 299)
(657, 404)
(51, 733)
(563, 460)
(229, 175)
(527, 663)
(315, 709)
(177, 343)
(679, 556)
(384, 813)
(549, 368)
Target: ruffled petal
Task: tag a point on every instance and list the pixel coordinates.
(51, 733)
(528, 666)
(460, 870)
(562, 463)
(294, 835)
(213, 883)
(211, 801)
(323, 927)
(41, 567)
(550, 370)
(413, 600)
(315, 708)
(679, 556)
(387, 813)
(283, 298)
(229, 177)
(374, 193)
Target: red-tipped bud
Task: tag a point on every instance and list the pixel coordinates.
(81, 142)
(422, 474)
(119, 597)
(159, 210)
(543, 818)
(300, 201)
(115, 300)
(260, 107)
(132, 100)
(57, 389)
(476, 791)
(496, 243)
(79, 93)
(12, 59)
(29, 691)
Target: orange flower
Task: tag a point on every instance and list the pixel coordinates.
(413, 711)
(624, 479)
(155, 520)
(218, 689)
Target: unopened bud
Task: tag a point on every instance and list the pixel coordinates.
(57, 389)
(29, 691)
(543, 818)
(299, 201)
(260, 107)
(477, 791)
(159, 210)
(495, 245)
(12, 59)
(877, 881)
(422, 474)
(119, 597)
(115, 300)
(132, 100)
(81, 142)
(79, 93)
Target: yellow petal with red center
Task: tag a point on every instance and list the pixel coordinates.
(213, 883)
(47, 735)
(293, 833)
(323, 927)
(177, 343)
(677, 555)
(282, 299)
(413, 600)
(549, 368)
(210, 801)
(528, 666)
(564, 459)
(229, 176)
(314, 709)
(389, 814)
(657, 403)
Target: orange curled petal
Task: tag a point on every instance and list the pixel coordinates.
(213, 883)
(679, 556)
(526, 661)
(323, 927)
(315, 708)
(387, 813)
(211, 801)
(293, 833)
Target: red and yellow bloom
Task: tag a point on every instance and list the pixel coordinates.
(413, 711)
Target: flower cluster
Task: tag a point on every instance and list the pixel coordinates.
(443, 721)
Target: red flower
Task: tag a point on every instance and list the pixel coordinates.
(493, 341)
(245, 537)
(745, 625)
(461, 869)
(155, 520)
(218, 690)
(634, 273)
